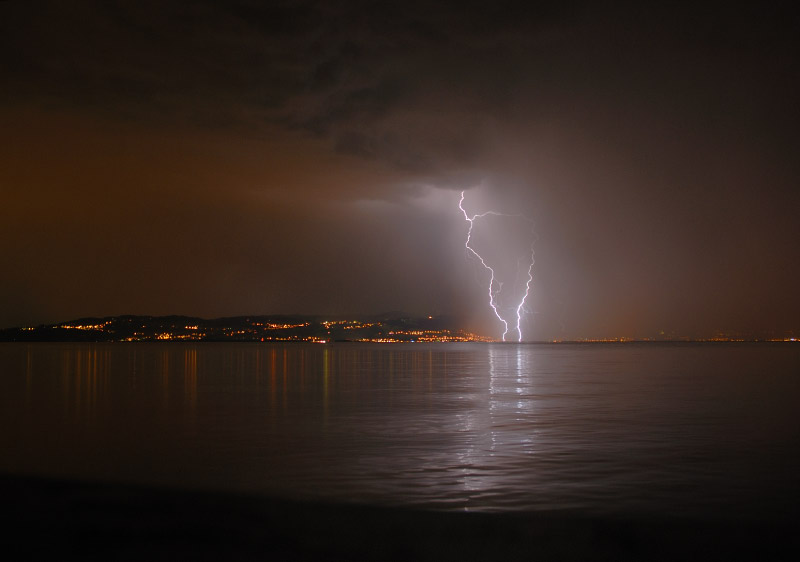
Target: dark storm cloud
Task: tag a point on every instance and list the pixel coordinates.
(145, 59)
(655, 145)
(341, 71)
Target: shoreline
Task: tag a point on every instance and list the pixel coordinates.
(77, 519)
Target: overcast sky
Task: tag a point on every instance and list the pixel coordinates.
(242, 157)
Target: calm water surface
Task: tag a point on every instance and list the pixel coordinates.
(693, 429)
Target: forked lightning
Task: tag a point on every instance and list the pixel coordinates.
(492, 292)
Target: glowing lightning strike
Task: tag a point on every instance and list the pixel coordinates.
(492, 293)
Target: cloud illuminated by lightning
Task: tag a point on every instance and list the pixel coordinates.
(492, 280)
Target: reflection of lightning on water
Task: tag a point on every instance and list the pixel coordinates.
(492, 293)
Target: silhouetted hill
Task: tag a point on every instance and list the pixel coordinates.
(393, 326)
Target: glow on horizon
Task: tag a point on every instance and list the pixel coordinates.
(492, 293)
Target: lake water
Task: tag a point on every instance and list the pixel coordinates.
(679, 429)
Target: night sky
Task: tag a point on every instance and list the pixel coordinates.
(242, 157)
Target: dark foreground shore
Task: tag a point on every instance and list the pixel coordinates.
(55, 519)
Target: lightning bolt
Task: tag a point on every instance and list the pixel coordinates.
(492, 292)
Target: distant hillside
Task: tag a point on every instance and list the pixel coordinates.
(389, 327)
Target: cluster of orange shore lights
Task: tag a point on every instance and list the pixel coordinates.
(261, 331)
